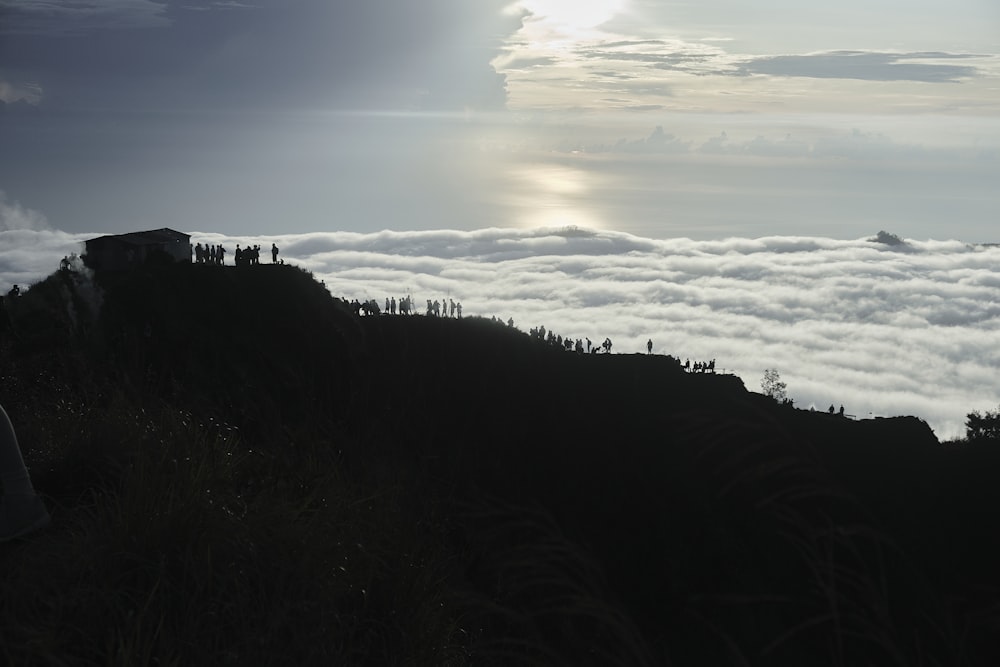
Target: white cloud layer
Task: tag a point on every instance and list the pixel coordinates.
(883, 330)
(15, 216)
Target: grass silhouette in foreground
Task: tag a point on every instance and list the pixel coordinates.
(240, 471)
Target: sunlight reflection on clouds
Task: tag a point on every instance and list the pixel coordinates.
(553, 195)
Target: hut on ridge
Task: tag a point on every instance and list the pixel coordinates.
(118, 252)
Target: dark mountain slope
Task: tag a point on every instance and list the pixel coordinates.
(574, 509)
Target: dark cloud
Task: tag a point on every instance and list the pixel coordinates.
(528, 63)
(690, 58)
(680, 59)
(62, 17)
(644, 107)
(868, 66)
(703, 60)
(613, 74)
(270, 54)
(657, 142)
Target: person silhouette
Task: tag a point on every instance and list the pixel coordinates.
(274, 253)
(21, 510)
(649, 346)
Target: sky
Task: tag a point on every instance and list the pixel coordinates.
(661, 119)
(659, 122)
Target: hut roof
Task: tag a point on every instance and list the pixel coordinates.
(150, 237)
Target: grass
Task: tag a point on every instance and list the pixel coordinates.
(197, 550)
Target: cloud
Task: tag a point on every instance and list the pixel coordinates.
(868, 66)
(381, 54)
(27, 255)
(59, 17)
(657, 142)
(850, 322)
(695, 58)
(20, 94)
(872, 147)
(714, 75)
(14, 216)
(703, 59)
(855, 144)
(528, 63)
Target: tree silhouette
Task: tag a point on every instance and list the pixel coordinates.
(982, 427)
(773, 386)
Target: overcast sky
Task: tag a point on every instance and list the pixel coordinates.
(663, 119)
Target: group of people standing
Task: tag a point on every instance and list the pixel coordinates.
(404, 307)
(699, 366)
(569, 344)
(209, 254)
(216, 254)
(440, 308)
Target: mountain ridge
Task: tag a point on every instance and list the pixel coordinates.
(568, 508)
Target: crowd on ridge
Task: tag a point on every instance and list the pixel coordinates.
(447, 307)
(216, 254)
(443, 308)
(450, 308)
(699, 366)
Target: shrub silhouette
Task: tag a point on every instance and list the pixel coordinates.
(772, 385)
(982, 426)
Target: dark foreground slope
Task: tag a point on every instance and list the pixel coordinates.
(244, 471)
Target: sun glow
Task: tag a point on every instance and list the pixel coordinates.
(574, 15)
(554, 196)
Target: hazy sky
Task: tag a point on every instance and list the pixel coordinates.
(663, 119)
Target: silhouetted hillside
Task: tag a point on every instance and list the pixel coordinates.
(420, 490)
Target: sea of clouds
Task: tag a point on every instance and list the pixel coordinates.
(911, 329)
